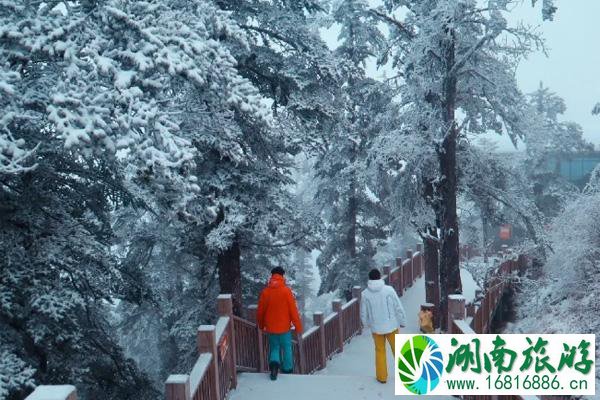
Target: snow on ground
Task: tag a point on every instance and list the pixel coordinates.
(469, 285)
(310, 387)
(479, 268)
(349, 375)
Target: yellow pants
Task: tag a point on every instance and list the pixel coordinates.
(381, 370)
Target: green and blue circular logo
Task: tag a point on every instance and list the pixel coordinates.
(420, 364)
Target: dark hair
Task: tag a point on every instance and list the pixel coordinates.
(278, 270)
(374, 274)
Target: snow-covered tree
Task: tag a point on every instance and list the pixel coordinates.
(548, 8)
(244, 212)
(565, 298)
(456, 62)
(58, 276)
(356, 221)
(548, 138)
(499, 188)
(93, 121)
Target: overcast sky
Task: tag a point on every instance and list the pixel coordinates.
(572, 67)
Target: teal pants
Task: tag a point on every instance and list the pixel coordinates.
(281, 344)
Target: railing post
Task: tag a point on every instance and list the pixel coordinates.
(301, 355)
(251, 315)
(53, 392)
(207, 343)
(420, 251)
(225, 309)
(387, 270)
(456, 309)
(400, 276)
(251, 312)
(318, 320)
(336, 305)
(411, 276)
(177, 387)
(356, 294)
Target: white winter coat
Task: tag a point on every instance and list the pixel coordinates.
(380, 308)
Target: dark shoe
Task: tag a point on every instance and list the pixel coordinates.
(289, 371)
(274, 367)
(384, 382)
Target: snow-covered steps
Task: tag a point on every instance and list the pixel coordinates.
(252, 386)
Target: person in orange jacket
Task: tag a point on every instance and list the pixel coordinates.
(276, 313)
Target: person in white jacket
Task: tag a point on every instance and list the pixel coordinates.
(381, 311)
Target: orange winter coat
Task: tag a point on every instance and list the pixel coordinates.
(277, 308)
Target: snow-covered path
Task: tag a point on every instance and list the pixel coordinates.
(348, 376)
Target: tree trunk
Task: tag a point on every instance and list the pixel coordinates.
(449, 238)
(351, 239)
(229, 268)
(230, 274)
(485, 235)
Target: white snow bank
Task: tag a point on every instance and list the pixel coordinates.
(469, 285)
(59, 392)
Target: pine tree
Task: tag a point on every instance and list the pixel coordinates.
(453, 58)
(549, 137)
(254, 223)
(357, 222)
(93, 125)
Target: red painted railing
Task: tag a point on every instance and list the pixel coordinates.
(214, 373)
(351, 317)
(237, 344)
(483, 313)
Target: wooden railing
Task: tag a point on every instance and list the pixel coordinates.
(330, 333)
(484, 310)
(214, 373)
(237, 344)
(406, 272)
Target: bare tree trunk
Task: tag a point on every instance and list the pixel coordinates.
(351, 239)
(485, 235)
(449, 238)
(230, 274)
(229, 268)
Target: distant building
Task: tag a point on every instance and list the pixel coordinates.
(576, 168)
